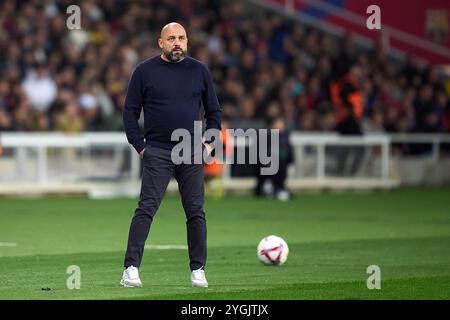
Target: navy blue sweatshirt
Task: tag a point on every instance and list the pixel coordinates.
(171, 95)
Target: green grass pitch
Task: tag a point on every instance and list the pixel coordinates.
(332, 237)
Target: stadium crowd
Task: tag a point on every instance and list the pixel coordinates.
(264, 66)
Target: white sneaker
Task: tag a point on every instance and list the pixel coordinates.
(198, 279)
(283, 195)
(130, 277)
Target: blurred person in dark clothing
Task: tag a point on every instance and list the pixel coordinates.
(275, 185)
(347, 98)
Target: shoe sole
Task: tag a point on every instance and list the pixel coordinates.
(194, 285)
(130, 285)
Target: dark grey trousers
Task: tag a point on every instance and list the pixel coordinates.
(158, 169)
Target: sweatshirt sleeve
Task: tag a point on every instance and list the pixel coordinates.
(132, 111)
(213, 111)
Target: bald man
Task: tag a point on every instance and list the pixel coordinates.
(170, 88)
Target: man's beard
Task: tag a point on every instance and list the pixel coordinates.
(175, 55)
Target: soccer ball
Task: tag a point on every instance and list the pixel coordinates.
(272, 250)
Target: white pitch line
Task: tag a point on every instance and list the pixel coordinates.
(8, 244)
(165, 247)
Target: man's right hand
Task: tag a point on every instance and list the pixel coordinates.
(142, 153)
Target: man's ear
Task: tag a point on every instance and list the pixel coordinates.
(160, 43)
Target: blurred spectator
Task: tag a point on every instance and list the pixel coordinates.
(70, 119)
(90, 110)
(21, 117)
(5, 120)
(374, 122)
(40, 88)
